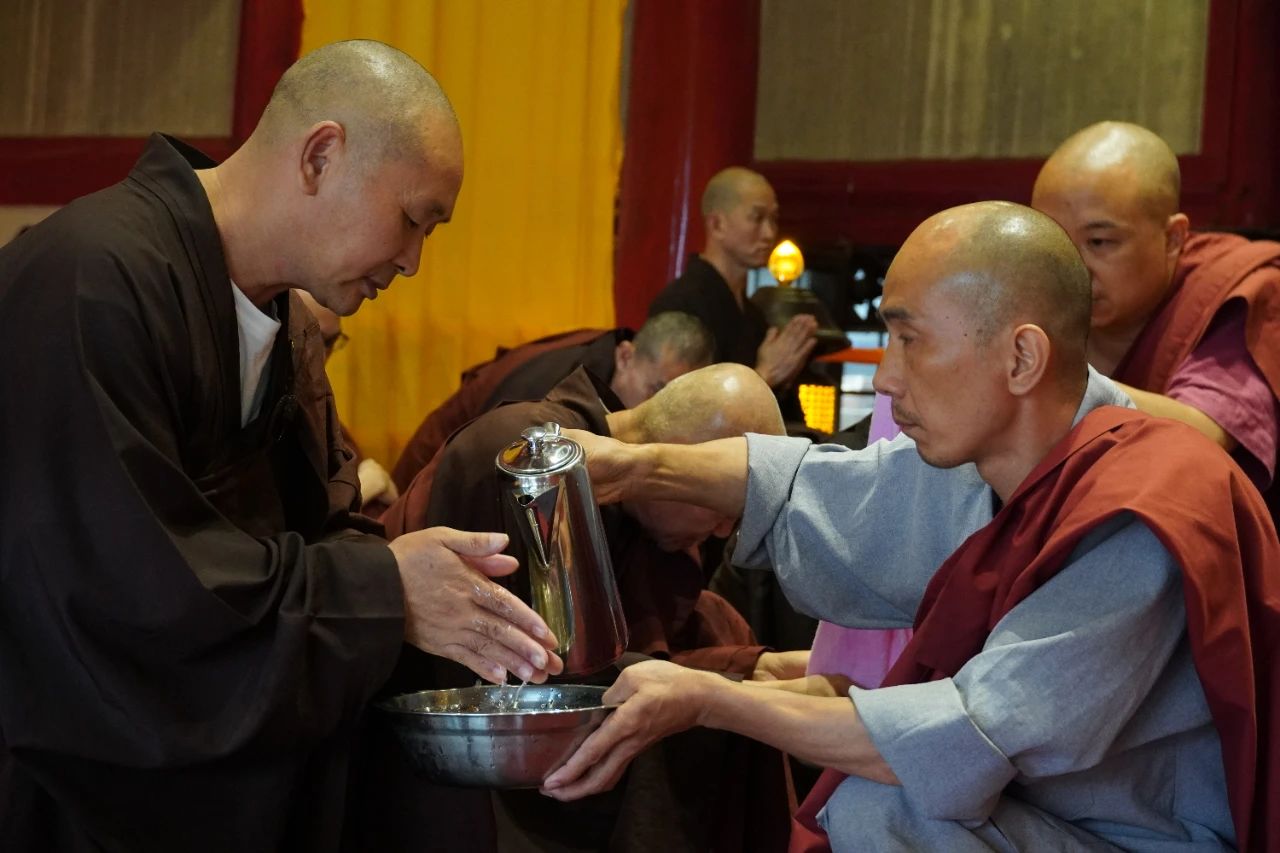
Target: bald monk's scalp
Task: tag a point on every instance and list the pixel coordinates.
(1127, 157)
(724, 190)
(718, 401)
(1012, 265)
(382, 97)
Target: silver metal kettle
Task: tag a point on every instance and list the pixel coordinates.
(548, 504)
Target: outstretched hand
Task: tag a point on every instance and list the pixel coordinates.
(658, 699)
(786, 351)
(608, 463)
(453, 610)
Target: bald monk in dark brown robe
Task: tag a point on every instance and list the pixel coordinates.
(1189, 322)
(192, 617)
(634, 365)
(706, 792)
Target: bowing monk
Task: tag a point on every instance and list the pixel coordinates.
(706, 790)
(740, 215)
(1093, 589)
(194, 616)
(1189, 322)
(635, 365)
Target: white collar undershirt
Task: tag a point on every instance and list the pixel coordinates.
(258, 332)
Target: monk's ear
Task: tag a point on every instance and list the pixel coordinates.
(1031, 350)
(623, 354)
(714, 222)
(324, 145)
(1176, 229)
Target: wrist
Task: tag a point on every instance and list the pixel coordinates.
(713, 691)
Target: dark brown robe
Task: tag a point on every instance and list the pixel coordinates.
(526, 372)
(703, 789)
(191, 616)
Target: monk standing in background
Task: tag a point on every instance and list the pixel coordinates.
(1188, 322)
(740, 212)
(192, 615)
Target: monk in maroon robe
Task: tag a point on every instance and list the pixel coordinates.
(1189, 322)
(634, 366)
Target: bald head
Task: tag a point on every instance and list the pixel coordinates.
(728, 187)
(718, 401)
(1009, 265)
(381, 96)
(1120, 158)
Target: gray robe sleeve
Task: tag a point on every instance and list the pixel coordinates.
(854, 536)
(1059, 678)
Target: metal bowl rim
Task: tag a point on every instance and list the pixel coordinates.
(387, 705)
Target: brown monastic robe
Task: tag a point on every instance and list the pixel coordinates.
(526, 372)
(192, 618)
(703, 790)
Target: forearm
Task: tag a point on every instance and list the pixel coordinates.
(822, 730)
(711, 475)
(1166, 407)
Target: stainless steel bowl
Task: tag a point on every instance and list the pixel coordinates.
(488, 737)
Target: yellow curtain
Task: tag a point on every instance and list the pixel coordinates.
(530, 248)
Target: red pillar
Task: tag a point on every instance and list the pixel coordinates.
(690, 112)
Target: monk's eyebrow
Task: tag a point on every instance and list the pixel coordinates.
(1100, 223)
(896, 314)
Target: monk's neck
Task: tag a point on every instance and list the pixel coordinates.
(734, 274)
(1108, 347)
(246, 244)
(1031, 435)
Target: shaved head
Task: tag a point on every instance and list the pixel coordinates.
(1114, 187)
(987, 307)
(1131, 160)
(718, 401)
(381, 96)
(727, 187)
(1009, 265)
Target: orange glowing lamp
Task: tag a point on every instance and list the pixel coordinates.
(786, 264)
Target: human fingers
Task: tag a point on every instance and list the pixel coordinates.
(598, 744)
(494, 566)
(508, 619)
(488, 670)
(469, 543)
(601, 776)
(490, 658)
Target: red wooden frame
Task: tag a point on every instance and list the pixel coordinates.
(54, 170)
(679, 57)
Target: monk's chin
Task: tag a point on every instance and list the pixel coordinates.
(938, 460)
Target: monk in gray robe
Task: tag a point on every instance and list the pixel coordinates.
(1093, 661)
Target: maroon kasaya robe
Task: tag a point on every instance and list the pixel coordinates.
(1218, 531)
(1212, 270)
(479, 385)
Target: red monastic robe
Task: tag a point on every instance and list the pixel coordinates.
(1117, 460)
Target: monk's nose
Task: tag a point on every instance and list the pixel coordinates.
(407, 261)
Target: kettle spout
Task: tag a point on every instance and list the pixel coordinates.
(538, 513)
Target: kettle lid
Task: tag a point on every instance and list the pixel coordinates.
(539, 450)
